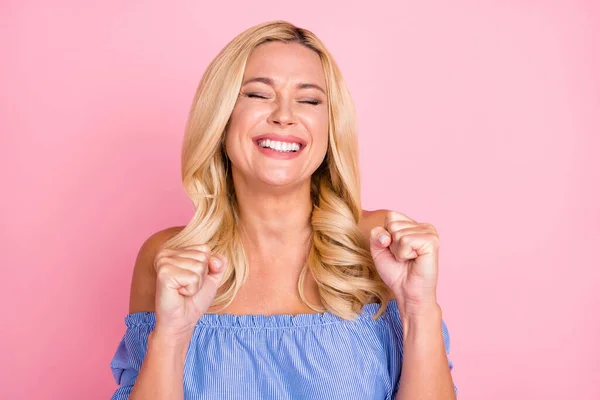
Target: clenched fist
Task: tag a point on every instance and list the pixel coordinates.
(187, 279)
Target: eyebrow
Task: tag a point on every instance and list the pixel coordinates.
(270, 82)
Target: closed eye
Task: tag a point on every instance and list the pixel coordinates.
(255, 96)
(313, 102)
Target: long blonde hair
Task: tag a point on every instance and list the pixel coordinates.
(341, 264)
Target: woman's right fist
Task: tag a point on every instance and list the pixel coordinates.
(187, 280)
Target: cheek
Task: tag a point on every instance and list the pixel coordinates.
(243, 119)
(245, 115)
(319, 127)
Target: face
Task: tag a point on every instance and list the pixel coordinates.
(278, 128)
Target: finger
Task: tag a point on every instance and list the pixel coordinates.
(216, 267)
(408, 246)
(191, 284)
(395, 226)
(200, 252)
(187, 251)
(410, 230)
(200, 267)
(197, 247)
(201, 256)
(183, 280)
(392, 216)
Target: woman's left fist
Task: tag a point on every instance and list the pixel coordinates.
(406, 253)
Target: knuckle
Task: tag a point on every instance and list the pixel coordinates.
(195, 279)
(197, 265)
(163, 271)
(396, 225)
(430, 226)
(404, 239)
(160, 259)
(202, 257)
(395, 215)
(163, 252)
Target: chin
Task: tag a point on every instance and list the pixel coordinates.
(280, 180)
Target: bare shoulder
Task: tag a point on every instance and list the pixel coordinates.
(371, 219)
(143, 281)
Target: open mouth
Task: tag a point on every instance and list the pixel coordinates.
(280, 147)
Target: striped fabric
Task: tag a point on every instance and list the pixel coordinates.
(258, 357)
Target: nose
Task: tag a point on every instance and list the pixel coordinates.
(282, 115)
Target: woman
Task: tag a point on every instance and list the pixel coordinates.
(281, 287)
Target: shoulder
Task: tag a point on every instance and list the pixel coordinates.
(370, 219)
(154, 241)
(143, 281)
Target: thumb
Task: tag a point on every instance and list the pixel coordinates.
(216, 267)
(379, 240)
(212, 280)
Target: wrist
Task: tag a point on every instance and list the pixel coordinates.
(423, 310)
(410, 308)
(174, 333)
(165, 339)
(422, 322)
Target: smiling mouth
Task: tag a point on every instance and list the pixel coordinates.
(280, 147)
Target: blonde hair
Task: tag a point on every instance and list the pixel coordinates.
(338, 259)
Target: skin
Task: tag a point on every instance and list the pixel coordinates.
(275, 209)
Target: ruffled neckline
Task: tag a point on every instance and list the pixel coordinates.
(265, 321)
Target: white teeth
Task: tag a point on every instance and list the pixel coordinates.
(279, 146)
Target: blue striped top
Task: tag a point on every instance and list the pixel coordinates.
(307, 356)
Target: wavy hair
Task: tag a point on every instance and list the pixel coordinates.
(340, 262)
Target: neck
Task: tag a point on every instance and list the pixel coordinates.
(275, 222)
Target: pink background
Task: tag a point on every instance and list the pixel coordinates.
(481, 117)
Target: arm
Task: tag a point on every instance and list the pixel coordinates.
(161, 374)
(405, 253)
(425, 371)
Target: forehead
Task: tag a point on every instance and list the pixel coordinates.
(285, 62)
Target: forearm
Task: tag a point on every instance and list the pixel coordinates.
(161, 373)
(425, 371)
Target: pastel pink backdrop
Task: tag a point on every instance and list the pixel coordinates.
(481, 117)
